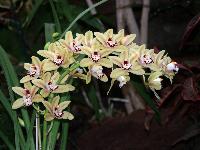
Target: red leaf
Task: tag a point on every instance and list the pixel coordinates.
(189, 29)
(190, 91)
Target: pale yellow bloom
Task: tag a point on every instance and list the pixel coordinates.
(122, 76)
(56, 110)
(169, 68)
(111, 41)
(56, 56)
(154, 81)
(28, 94)
(96, 56)
(97, 72)
(72, 44)
(146, 57)
(49, 84)
(34, 70)
(128, 61)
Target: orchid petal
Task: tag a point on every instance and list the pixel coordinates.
(18, 90)
(64, 88)
(37, 98)
(49, 117)
(18, 103)
(105, 62)
(67, 115)
(85, 62)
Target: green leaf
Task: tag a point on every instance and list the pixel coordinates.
(49, 30)
(94, 100)
(6, 141)
(64, 136)
(19, 137)
(30, 131)
(32, 12)
(81, 15)
(141, 89)
(55, 16)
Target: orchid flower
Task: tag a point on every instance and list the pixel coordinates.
(28, 95)
(111, 41)
(127, 61)
(97, 72)
(154, 81)
(34, 69)
(72, 44)
(146, 57)
(96, 56)
(169, 68)
(56, 56)
(120, 75)
(56, 110)
(49, 84)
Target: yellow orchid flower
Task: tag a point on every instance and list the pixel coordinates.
(146, 57)
(28, 94)
(34, 69)
(120, 75)
(154, 81)
(97, 72)
(169, 67)
(57, 57)
(111, 41)
(49, 84)
(56, 110)
(128, 61)
(72, 44)
(95, 57)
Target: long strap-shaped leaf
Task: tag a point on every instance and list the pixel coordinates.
(82, 14)
(13, 116)
(6, 141)
(32, 12)
(12, 80)
(30, 132)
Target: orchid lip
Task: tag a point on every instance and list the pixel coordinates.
(34, 71)
(75, 47)
(122, 81)
(111, 43)
(96, 57)
(97, 71)
(172, 67)
(51, 86)
(27, 98)
(146, 59)
(58, 60)
(57, 113)
(126, 65)
(158, 80)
